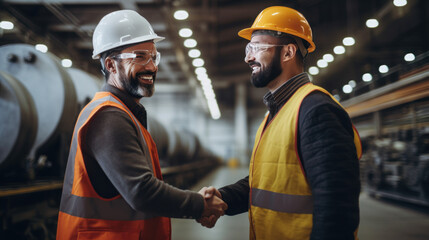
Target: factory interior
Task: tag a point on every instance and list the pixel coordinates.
(372, 56)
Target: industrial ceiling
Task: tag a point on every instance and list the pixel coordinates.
(66, 27)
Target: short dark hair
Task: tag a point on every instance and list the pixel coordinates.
(107, 54)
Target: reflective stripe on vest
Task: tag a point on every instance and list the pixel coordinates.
(281, 202)
(89, 207)
(118, 209)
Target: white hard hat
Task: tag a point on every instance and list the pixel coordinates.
(121, 28)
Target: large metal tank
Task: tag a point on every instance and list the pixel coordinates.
(50, 88)
(175, 147)
(160, 136)
(18, 122)
(85, 84)
(184, 146)
(40, 101)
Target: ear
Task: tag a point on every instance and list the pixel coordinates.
(289, 52)
(110, 65)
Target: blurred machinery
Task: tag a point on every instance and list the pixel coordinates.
(40, 101)
(394, 125)
(400, 166)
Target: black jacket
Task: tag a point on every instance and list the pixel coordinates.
(328, 155)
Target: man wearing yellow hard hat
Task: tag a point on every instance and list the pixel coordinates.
(303, 178)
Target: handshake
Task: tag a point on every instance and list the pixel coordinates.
(214, 206)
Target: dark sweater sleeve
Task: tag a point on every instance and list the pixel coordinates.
(236, 196)
(329, 158)
(117, 161)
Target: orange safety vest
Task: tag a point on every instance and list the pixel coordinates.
(86, 215)
(281, 202)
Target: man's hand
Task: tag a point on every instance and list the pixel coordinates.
(214, 207)
(208, 192)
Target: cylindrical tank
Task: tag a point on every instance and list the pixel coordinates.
(160, 137)
(187, 146)
(175, 147)
(40, 101)
(49, 86)
(18, 122)
(86, 85)
(168, 142)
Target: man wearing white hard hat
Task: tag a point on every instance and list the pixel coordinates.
(113, 187)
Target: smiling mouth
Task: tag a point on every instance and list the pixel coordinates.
(255, 67)
(144, 78)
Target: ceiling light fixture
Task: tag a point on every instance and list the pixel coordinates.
(66, 63)
(198, 62)
(322, 63)
(194, 53)
(348, 41)
(372, 23)
(185, 32)
(313, 70)
(339, 50)
(200, 70)
(190, 43)
(202, 77)
(383, 69)
(367, 77)
(41, 47)
(409, 57)
(181, 15)
(399, 3)
(213, 108)
(6, 25)
(328, 57)
(347, 89)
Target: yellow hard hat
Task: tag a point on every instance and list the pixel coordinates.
(282, 19)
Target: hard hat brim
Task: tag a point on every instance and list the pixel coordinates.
(154, 38)
(247, 34)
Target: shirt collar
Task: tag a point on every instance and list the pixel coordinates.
(275, 100)
(136, 108)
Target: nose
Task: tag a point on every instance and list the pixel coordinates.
(249, 57)
(151, 66)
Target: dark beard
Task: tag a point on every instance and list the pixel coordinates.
(131, 85)
(272, 71)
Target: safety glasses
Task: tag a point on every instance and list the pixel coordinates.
(253, 48)
(141, 57)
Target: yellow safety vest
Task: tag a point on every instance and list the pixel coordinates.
(86, 215)
(281, 202)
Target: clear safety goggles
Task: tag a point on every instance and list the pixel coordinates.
(253, 48)
(141, 57)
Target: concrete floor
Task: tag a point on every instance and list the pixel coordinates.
(380, 219)
(385, 219)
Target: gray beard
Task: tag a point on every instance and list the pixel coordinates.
(146, 90)
(133, 87)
